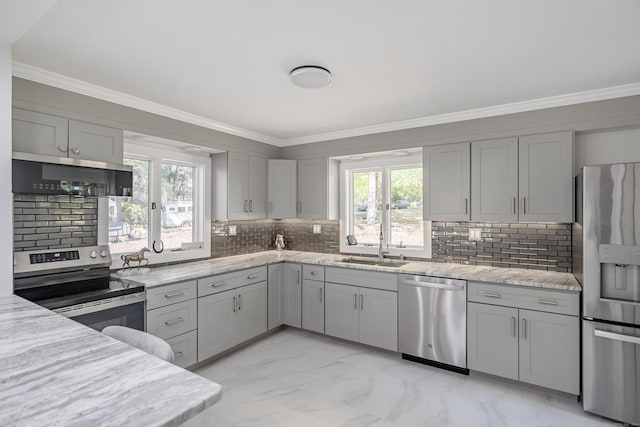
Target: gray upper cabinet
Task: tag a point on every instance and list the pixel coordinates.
(240, 186)
(56, 136)
(292, 308)
(546, 177)
(275, 295)
(446, 171)
(318, 189)
(313, 305)
(494, 180)
(92, 142)
(282, 191)
(39, 133)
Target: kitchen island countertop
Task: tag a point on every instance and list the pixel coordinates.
(54, 371)
(509, 276)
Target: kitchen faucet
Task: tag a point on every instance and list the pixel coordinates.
(380, 252)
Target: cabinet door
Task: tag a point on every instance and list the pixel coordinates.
(494, 180)
(379, 318)
(257, 186)
(252, 311)
(93, 142)
(313, 188)
(282, 189)
(447, 183)
(341, 311)
(492, 340)
(39, 133)
(276, 295)
(549, 350)
(238, 185)
(292, 311)
(216, 324)
(313, 305)
(546, 177)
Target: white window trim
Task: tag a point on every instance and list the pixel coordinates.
(348, 166)
(201, 202)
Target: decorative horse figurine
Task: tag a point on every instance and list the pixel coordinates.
(138, 256)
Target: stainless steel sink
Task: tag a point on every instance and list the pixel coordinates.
(374, 261)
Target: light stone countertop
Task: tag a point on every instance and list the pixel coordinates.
(510, 276)
(54, 371)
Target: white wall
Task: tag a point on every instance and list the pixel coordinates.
(605, 147)
(6, 213)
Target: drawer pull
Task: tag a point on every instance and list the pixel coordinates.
(313, 273)
(216, 284)
(173, 295)
(491, 295)
(547, 302)
(179, 354)
(253, 276)
(174, 321)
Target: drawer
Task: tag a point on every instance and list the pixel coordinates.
(525, 297)
(185, 348)
(313, 272)
(363, 278)
(173, 320)
(224, 282)
(170, 294)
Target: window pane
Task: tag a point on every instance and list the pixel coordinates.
(129, 216)
(406, 207)
(177, 205)
(367, 203)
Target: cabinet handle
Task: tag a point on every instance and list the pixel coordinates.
(513, 326)
(547, 302)
(253, 276)
(320, 295)
(466, 206)
(234, 304)
(174, 321)
(298, 277)
(361, 302)
(524, 329)
(514, 205)
(216, 284)
(239, 302)
(62, 148)
(491, 295)
(251, 205)
(313, 273)
(173, 295)
(355, 301)
(178, 354)
(75, 150)
(524, 205)
(245, 206)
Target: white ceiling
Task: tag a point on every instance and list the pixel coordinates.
(225, 63)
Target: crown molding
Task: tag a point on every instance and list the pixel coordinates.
(478, 113)
(50, 78)
(60, 81)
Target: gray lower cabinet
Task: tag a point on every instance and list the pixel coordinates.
(185, 349)
(228, 318)
(531, 346)
(313, 305)
(368, 316)
(292, 301)
(275, 295)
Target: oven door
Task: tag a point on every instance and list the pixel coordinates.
(127, 310)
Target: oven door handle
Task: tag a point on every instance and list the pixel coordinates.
(94, 306)
(617, 337)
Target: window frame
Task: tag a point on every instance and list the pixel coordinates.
(385, 164)
(201, 214)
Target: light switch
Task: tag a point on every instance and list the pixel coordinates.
(233, 230)
(475, 234)
(317, 229)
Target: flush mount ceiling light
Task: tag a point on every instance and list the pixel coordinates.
(192, 148)
(310, 76)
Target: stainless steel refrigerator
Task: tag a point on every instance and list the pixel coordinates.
(607, 264)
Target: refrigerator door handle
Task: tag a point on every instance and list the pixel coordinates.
(617, 337)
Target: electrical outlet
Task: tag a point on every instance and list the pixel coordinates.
(475, 234)
(317, 229)
(233, 230)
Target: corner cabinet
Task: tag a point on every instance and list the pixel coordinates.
(446, 170)
(282, 190)
(318, 189)
(524, 179)
(49, 135)
(240, 186)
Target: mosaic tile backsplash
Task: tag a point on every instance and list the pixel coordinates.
(542, 246)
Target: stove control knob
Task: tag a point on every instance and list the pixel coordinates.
(103, 253)
(93, 254)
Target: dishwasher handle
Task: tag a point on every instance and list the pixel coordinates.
(427, 284)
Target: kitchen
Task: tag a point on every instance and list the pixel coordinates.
(495, 217)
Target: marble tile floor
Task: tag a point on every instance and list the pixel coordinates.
(294, 378)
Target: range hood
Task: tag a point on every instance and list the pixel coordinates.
(40, 174)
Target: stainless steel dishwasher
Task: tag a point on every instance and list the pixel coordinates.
(432, 321)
